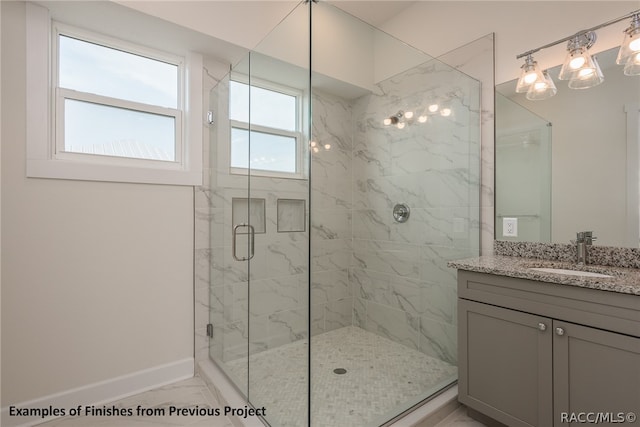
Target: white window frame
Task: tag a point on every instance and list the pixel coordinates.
(297, 134)
(46, 157)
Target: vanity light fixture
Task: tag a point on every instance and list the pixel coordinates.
(393, 120)
(588, 76)
(580, 68)
(419, 115)
(630, 48)
(529, 75)
(543, 89)
(578, 60)
(632, 67)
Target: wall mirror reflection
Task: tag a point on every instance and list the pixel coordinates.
(570, 162)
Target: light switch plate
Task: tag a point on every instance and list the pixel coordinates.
(510, 227)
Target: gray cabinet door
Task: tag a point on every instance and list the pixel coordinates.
(506, 364)
(595, 371)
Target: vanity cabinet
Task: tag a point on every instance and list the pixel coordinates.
(531, 352)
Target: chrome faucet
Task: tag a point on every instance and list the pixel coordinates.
(584, 239)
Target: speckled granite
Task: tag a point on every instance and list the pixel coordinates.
(598, 255)
(624, 280)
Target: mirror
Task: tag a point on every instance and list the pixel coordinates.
(570, 163)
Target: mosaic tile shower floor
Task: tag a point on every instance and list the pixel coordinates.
(381, 375)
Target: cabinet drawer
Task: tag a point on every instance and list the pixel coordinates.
(601, 309)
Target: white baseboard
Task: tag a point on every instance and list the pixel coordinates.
(103, 391)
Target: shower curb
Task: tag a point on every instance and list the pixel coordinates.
(225, 392)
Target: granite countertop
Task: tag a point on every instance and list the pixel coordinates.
(624, 280)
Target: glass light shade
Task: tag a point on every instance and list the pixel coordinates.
(577, 59)
(631, 42)
(632, 67)
(542, 90)
(529, 75)
(587, 76)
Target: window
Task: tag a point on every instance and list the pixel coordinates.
(269, 143)
(117, 111)
(115, 103)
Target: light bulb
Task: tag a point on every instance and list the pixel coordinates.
(445, 112)
(543, 89)
(386, 121)
(327, 146)
(540, 86)
(312, 143)
(631, 42)
(400, 125)
(529, 75)
(408, 114)
(587, 77)
(585, 73)
(530, 78)
(433, 108)
(422, 119)
(576, 63)
(315, 149)
(578, 57)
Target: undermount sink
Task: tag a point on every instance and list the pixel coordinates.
(570, 272)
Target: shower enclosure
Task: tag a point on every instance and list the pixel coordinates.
(325, 307)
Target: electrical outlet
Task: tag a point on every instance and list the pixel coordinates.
(510, 227)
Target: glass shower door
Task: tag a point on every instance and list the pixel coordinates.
(232, 230)
(326, 303)
(278, 179)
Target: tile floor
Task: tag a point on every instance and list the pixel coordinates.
(184, 394)
(189, 393)
(459, 418)
(381, 375)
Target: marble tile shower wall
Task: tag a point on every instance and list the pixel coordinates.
(404, 290)
(279, 294)
(331, 201)
(277, 306)
(366, 270)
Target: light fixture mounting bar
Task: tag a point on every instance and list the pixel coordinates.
(580, 33)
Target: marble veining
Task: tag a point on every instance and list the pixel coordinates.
(623, 280)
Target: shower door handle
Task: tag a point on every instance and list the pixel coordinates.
(252, 244)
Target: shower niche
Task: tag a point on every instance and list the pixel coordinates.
(341, 315)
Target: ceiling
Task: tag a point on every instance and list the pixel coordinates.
(247, 22)
(375, 13)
